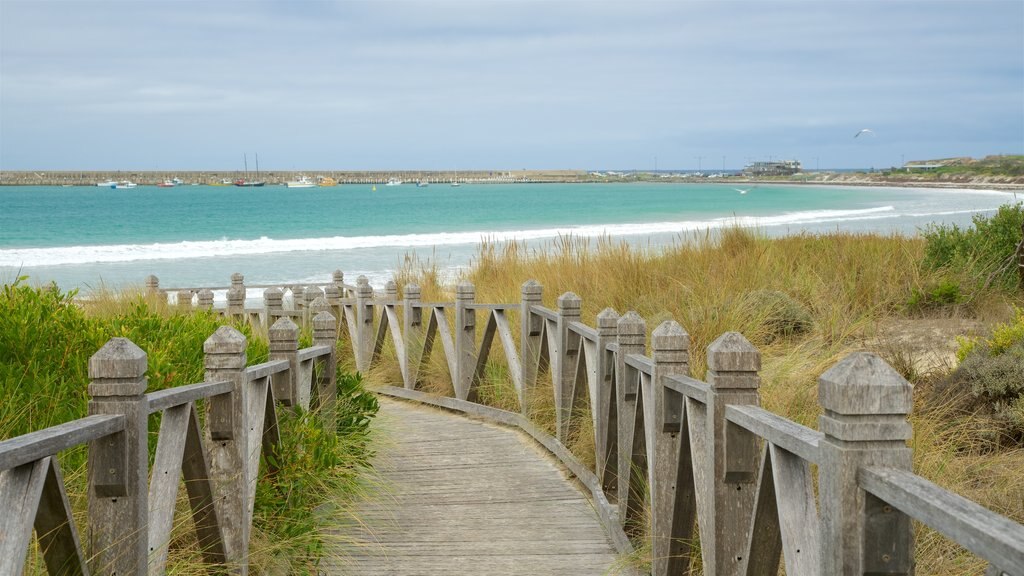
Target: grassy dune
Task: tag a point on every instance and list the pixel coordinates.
(846, 292)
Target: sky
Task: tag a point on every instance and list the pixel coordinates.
(506, 85)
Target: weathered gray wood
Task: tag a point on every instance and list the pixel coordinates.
(37, 445)
(641, 363)
(484, 353)
(325, 334)
(509, 346)
(195, 470)
(163, 486)
(270, 368)
(412, 323)
(284, 346)
(764, 542)
(476, 518)
(363, 339)
(382, 331)
(228, 422)
(273, 303)
(545, 313)
(353, 328)
(236, 296)
(564, 356)
(530, 328)
(689, 387)
(602, 401)
(314, 352)
(170, 397)
(631, 339)
(20, 489)
(55, 527)
(670, 345)
(439, 323)
(989, 535)
(865, 404)
(465, 340)
(204, 299)
(798, 515)
(583, 331)
(118, 464)
(396, 339)
(786, 434)
(733, 456)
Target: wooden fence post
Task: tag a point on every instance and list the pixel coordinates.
(333, 295)
(563, 362)
(273, 304)
(631, 336)
(364, 324)
(325, 333)
(309, 294)
(284, 345)
(606, 420)
(465, 339)
(236, 296)
(412, 320)
(865, 423)
(531, 326)
(204, 300)
(338, 277)
(185, 300)
(152, 285)
(670, 345)
(118, 465)
(227, 425)
(727, 478)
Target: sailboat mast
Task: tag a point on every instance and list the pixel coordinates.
(245, 158)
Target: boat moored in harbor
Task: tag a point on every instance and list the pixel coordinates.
(302, 182)
(394, 182)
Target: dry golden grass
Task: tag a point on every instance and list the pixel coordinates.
(848, 282)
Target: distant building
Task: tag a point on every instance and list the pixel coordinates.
(778, 168)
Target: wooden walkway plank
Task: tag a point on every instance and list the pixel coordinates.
(468, 497)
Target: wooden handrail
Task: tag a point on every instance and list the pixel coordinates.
(48, 441)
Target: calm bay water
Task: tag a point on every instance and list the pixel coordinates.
(198, 235)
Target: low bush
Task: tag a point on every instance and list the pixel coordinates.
(46, 339)
(983, 253)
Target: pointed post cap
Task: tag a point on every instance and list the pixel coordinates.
(152, 282)
(669, 336)
(319, 304)
(284, 329)
(338, 276)
(332, 292)
(324, 321)
(607, 321)
(273, 293)
(226, 340)
(532, 288)
(118, 369)
(237, 279)
(362, 281)
(731, 352)
(863, 383)
(412, 291)
(569, 302)
(465, 290)
(391, 288)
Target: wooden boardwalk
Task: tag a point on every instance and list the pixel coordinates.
(467, 497)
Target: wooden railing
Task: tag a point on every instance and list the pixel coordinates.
(689, 456)
(131, 505)
(682, 456)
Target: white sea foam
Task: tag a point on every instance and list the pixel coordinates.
(31, 257)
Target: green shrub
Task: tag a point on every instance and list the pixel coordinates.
(945, 293)
(778, 313)
(983, 252)
(991, 375)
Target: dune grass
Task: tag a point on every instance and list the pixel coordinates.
(46, 339)
(849, 284)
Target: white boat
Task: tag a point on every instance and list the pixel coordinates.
(394, 182)
(422, 184)
(302, 182)
(124, 184)
(107, 184)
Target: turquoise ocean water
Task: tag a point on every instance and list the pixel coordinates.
(83, 237)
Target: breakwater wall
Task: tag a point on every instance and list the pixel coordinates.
(274, 177)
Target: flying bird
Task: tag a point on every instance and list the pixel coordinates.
(864, 131)
(741, 191)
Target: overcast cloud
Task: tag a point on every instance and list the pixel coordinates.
(505, 85)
